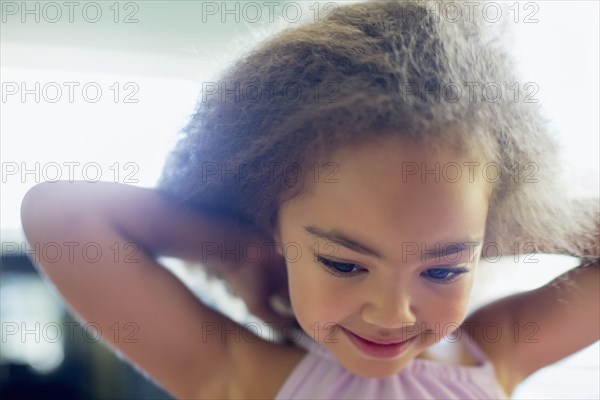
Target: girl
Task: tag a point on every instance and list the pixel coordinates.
(359, 166)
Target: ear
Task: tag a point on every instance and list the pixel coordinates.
(278, 243)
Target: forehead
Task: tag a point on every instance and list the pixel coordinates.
(395, 189)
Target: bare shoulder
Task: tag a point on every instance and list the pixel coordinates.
(525, 332)
(262, 366)
(489, 329)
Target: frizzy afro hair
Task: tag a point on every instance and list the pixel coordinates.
(373, 69)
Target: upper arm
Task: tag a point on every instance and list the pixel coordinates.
(561, 318)
(160, 325)
(541, 326)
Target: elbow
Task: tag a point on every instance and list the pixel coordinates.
(32, 207)
(44, 209)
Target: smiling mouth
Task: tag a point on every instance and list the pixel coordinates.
(379, 350)
(382, 342)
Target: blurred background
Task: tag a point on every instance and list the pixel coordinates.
(99, 90)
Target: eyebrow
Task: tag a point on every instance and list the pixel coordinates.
(342, 239)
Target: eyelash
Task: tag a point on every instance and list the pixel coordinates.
(330, 266)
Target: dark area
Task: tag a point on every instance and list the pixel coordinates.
(89, 369)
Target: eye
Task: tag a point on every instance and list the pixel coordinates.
(343, 270)
(444, 275)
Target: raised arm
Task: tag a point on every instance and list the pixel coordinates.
(108, 235)
(547, 324)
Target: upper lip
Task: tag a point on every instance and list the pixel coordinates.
(380, 340)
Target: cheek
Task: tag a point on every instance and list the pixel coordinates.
(315, 297)
(446, 309)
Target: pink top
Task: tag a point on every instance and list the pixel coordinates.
(320, 376)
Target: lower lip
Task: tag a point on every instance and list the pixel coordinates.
(378, 350)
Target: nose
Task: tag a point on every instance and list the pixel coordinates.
(390, 306)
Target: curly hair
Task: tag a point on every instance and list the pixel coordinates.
(377, 69)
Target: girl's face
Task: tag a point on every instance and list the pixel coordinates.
(379, 222)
